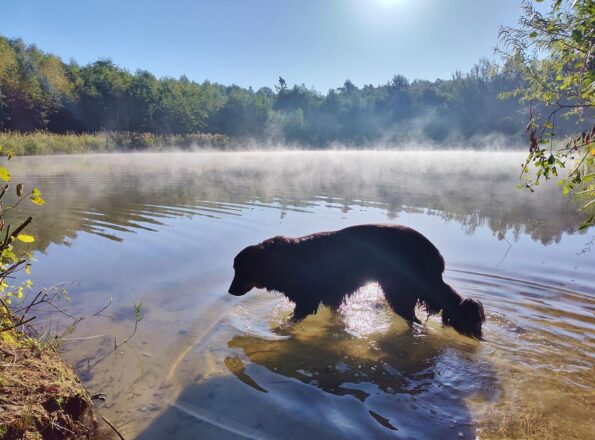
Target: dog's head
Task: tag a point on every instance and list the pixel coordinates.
(467, 318)
(247, 273)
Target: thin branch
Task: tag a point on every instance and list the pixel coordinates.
(17, 231)
(18, 324)
(507, 251)
(83, 338)
(17, 203)
(3, 191)
(119, 434)
(577, 168)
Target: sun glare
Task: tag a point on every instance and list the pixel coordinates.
(388, 2)
(380, 15)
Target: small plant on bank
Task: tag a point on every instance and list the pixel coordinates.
(14, 256)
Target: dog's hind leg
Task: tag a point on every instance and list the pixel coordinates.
(402, 300)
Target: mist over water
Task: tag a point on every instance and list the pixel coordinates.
(164, 228)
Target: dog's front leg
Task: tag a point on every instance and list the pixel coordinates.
(302, 310)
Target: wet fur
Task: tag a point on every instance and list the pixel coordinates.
(328, 266)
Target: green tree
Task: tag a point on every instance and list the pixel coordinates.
(38, 91)
(554, 50)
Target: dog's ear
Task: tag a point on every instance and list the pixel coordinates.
(469, 318)
(253, 252)
(472, 307)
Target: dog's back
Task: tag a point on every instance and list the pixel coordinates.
(371, 251)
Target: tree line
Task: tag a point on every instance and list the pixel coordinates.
(38, 91)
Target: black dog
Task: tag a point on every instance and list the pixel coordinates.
(328, 266)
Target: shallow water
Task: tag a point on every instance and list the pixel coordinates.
(164, 228)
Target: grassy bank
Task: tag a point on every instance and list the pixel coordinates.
(41, 397)
(43, 142)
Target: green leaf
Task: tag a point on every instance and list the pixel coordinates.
(36, 197)
(26, 238)
(9, 255)
(577, 35)
(4, 174)
(587, 223)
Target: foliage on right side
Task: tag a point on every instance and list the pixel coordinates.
(553, 48)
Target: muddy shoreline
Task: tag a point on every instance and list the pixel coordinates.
(41, 397)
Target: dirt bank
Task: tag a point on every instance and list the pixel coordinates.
(40, 395)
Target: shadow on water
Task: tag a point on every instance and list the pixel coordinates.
(319, 381)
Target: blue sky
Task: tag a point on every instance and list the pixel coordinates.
(251, 42)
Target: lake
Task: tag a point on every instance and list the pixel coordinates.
(163, 229)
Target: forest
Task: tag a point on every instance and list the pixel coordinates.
(40, 92)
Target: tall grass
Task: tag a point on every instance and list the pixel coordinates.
(43, 142)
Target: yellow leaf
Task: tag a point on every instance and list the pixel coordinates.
(25, 238)
(28, 269)
(4, 174)
(593, 152)
(36, 197)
